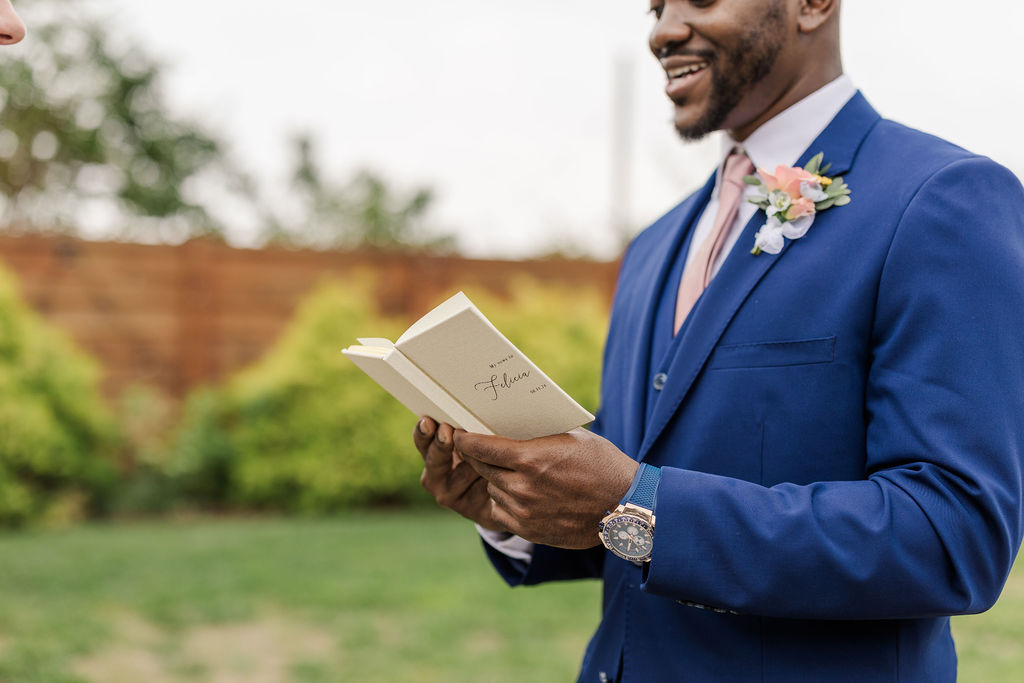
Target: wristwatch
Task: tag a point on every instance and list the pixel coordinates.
(628, 530)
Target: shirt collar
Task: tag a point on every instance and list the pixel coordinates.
(782, 139)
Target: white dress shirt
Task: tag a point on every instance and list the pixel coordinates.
(779, 141)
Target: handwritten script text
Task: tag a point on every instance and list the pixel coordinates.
(494, 384)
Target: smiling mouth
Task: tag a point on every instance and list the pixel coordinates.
(684, 71)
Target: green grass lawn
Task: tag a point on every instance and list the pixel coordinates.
(390, 597)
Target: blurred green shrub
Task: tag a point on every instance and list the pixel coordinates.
(147, 419)
(304, 430)
(56, 436)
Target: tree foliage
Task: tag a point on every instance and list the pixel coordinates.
(87, 142)
(84, 131)
(363, 212)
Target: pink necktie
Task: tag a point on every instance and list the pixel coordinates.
(698, 273)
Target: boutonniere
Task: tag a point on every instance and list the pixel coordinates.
(791, 197)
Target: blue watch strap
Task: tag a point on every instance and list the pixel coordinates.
(644, 488)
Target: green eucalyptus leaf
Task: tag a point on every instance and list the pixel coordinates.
(824, 204)
(814, 164)
(842, 201)
(751, 180)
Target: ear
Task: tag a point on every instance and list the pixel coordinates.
(813, 14)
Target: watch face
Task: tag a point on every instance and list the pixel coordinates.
(629, 537)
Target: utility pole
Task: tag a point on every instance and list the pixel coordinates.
(622, 106)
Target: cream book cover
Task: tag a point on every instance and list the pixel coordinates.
(456, 367)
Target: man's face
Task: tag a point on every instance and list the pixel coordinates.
(11, 28)
(722, 59)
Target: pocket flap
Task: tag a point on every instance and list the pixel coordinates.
(774, 353)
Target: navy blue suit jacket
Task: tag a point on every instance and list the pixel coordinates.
(840, 433)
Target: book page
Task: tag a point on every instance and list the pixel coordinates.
(487, 374)
(440, 313)
(406, 382)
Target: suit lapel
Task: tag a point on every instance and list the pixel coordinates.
(741, 272)
(646, 299)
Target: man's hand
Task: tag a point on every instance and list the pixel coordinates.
(553, 490)
(454, 486)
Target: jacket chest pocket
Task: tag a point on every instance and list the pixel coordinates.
(774, 353)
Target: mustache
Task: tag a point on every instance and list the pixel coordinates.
(679, 51)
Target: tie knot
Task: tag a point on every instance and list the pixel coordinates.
(737, 166)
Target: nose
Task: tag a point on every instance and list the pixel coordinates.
(670, 29)
(12, 30)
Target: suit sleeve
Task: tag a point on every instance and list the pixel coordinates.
(934, 527)
(548, 564)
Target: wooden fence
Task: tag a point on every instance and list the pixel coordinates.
(174, 317)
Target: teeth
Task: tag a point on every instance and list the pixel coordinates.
(684, 70)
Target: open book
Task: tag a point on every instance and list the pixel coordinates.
(456, 367)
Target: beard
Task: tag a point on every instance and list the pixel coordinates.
(735, 70)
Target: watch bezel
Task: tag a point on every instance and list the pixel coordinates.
(616, 518)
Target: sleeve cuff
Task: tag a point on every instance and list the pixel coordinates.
(514, 547)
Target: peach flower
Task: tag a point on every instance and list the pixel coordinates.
(786, 178)
(800, 207)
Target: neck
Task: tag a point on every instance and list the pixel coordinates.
(798, 90)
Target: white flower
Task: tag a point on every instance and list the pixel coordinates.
(769, 238)
(778, 201)
(811, 189)
(798, 227)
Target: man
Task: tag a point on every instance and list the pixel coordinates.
(11, 28)
(828, 417)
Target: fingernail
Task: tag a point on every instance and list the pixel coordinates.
(421, 426)
(441, 438)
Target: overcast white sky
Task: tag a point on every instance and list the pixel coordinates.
(506, 108)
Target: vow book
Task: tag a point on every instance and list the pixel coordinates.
(456, 367)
